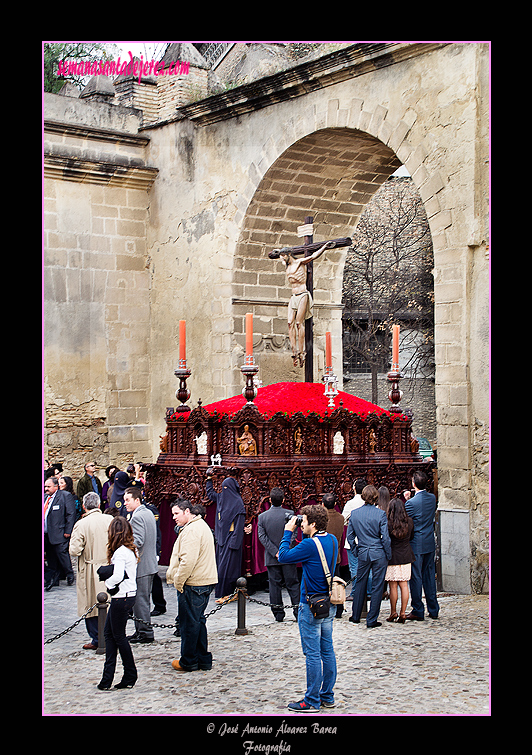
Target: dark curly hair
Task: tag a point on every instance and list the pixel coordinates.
(317, 515)
(120, 533)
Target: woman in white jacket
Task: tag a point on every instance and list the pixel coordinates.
(122, 553)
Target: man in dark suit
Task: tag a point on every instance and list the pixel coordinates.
(369, 526)
(271, 524)
(59, 519)
(422, 509)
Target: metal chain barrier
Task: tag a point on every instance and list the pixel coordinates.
(270, 605)
(281, 605)
(135, 618)
(237, 592)
(173, 626)
(65, 631)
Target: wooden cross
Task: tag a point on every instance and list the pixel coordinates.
(307, 249)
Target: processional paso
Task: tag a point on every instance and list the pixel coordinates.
(308, 439)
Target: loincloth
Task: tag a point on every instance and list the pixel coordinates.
(295, 301)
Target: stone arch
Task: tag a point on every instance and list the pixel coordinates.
(368, 119)
(327, 163)
(439, 179)
(330, 174)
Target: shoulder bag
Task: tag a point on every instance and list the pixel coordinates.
(320, 604)
(337, 587)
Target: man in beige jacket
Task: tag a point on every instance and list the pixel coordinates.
(89, 543)
(193, 573)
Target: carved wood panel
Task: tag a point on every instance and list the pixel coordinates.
(294, 453)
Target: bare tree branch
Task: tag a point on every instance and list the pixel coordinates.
(387, 279)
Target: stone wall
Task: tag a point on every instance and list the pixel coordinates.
(149, 225)
(96, 286)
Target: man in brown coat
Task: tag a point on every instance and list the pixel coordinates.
(335, 527)
(89, 543)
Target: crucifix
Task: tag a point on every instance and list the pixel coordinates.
(300, 274)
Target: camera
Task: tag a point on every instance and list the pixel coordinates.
(299, 518)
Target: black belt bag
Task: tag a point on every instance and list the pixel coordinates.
(320, 604)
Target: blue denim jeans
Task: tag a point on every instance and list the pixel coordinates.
(192, 603)
(317, 645)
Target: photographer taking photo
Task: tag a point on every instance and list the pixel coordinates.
(315, 633)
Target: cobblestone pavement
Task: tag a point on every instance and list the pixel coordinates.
(434, 667)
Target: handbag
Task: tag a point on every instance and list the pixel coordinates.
(338, 591)
(337, 587)
(104, 572)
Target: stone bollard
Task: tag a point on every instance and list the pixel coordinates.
(241, 584)
(102, 616)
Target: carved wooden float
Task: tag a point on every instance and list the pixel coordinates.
(286, 437)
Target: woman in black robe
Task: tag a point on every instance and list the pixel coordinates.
(229, 535)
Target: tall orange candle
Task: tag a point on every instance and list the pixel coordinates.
(182, 340)
(328, 351)
(395, 347)
(249, 334)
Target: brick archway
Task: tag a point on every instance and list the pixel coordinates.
(330, 174)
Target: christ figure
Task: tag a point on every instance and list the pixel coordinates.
(300, 304)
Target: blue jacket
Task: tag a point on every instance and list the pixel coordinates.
(307, 554)
(370, 526)
(422, 509)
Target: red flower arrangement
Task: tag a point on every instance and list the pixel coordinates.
(290, 398)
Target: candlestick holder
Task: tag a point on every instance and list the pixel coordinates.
(331, 386)
(395, 395)
(182, 394)
(249, 369)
